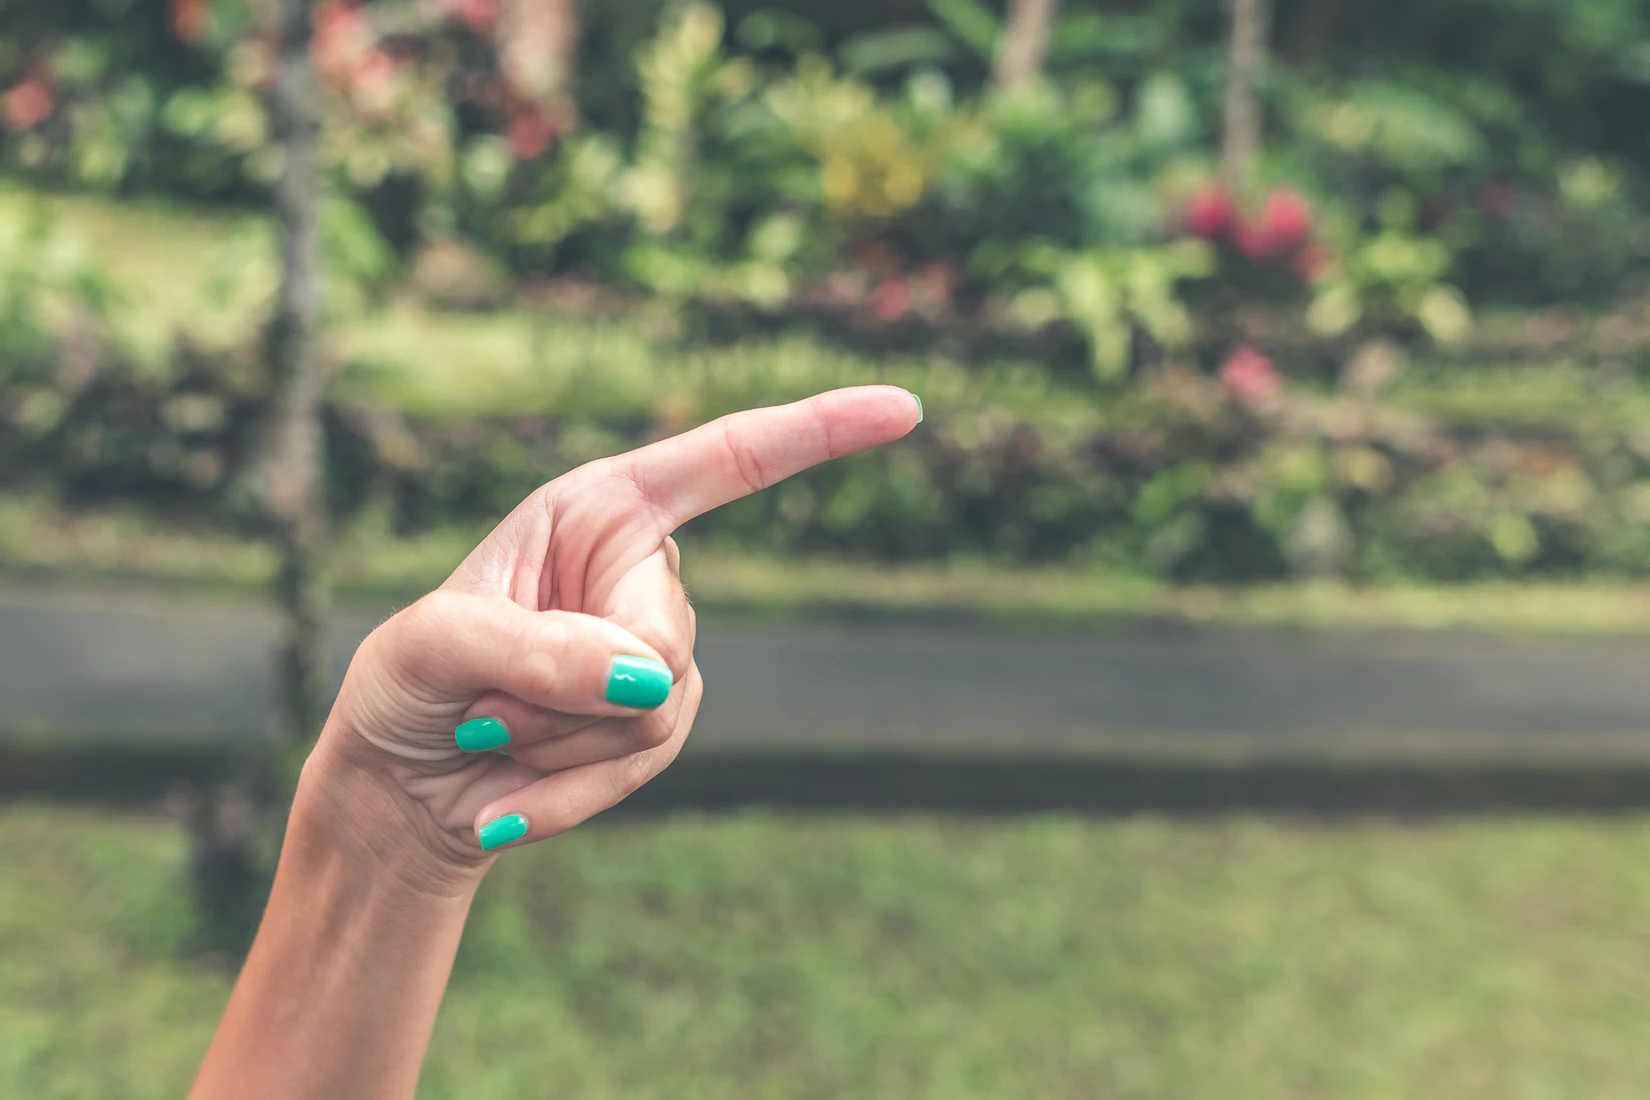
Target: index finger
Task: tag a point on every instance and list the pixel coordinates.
(689, 474)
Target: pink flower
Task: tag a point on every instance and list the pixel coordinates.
(1285, 226)
(29, 103)
(530, 135)
(1249, 375)
(190, 20)
(1210, 214)
(373, 72)
(342, 39)
(479, 15)
(1286, 220)
(891, 299)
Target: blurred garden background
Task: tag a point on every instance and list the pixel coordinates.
(1305, 321)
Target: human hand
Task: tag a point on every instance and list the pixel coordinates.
(564, 639)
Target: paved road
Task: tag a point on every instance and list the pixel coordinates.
(151, 667)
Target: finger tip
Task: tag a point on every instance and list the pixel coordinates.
(880, 413)
(501, 830)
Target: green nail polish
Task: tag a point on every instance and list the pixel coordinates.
(637, 682)
(481, 734)
(501, 831)
(918, 400)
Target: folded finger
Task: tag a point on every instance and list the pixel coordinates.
(560, 801)
(453, 644)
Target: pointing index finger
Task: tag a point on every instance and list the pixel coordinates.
(689, 474)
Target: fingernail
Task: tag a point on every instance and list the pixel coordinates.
(918, 400)
(638, 682)
(501, 831)
(481, 734)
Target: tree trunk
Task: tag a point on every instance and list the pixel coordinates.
(292, 461)
(1246, 65)
(1023, 43)
(236, 829)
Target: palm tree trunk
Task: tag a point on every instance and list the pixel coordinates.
(1024, 42)
(293, 459)
(235, 829)
(1246, 66)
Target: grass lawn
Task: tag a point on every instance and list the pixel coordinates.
(762, 955)
(40, 543)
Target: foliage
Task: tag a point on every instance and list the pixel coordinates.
(753, 168)
(1383, 470)
(1134, 368)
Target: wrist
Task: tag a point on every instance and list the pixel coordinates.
(341, 988)
(356, 812)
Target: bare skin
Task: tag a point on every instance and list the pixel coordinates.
(382, 858)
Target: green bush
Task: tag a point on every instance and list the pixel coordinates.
(756, 157)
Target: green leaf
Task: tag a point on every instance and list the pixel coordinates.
(973, 23)
(896, 48)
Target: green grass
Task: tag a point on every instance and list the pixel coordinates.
(40, 543)
(779, 956)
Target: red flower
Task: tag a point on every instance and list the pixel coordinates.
(342, 37)
(190, 20)
(1285, 226)
(1287, 219)
(530, 135)
(891, 299)
(1250, 239)
(479, 15)
(28, 103)
(1249, 375)
(1210, 215)
(373, 72)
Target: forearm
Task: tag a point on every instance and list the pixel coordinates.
(340, 991)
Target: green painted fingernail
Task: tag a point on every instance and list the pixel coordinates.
(918, 400)
(481, 734)
(638, 682)
(501, 831)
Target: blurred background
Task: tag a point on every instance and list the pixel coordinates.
(1234, 687)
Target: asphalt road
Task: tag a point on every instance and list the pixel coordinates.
(78, 667)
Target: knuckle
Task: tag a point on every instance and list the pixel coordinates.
(652, 732)
(629, 778)
(426, 625)
(675, 645)
(537, 653)
(745, 459)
